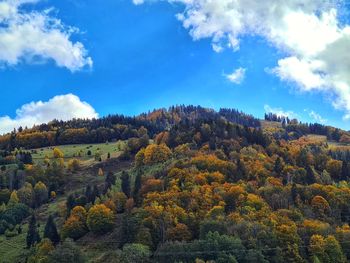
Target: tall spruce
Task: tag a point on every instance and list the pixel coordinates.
(126, 184)
(345, 173)
(110, 180)
(33, 236)
(88, 194)
(95, 193)
(137, 187)
(50, 231)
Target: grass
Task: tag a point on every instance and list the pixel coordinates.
(80, 150)
(270, 124)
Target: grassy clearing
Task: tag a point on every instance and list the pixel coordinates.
(80, 150)
(270, 124)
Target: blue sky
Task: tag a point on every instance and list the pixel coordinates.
(144, 58)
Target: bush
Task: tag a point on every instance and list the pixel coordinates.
(136, 253)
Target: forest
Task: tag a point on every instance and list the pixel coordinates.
(184, 184)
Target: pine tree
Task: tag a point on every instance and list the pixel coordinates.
(345, 171)
(50, 231)
(278, 166)
(95, 193)
(88, 194)
(294, 193)
(137, 187)
(70, 203)
(126, 183)
(33, 236)
(310, 176)
(110, 180)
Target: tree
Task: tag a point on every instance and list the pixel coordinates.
(126, 183)
(110, 180)
(26, 194)
(73, 165)
(88, 194)
(278, 166)
(70, 203)
(33, 236)
(345, 171)
(100, 219)
(50, 231)
(42, 251)
(41, 193)
(95, 193)
(75, 226)
(294, 193)
(57, 153)
(156, 153)
(136, 253)
(333, 249)
(66, 252)
(137, 187)
(13, 198)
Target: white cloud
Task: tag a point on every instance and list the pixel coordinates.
(316, 117)
(237, 76)
(314, 42)
(280, 112)
(31, 36)
(62, 107)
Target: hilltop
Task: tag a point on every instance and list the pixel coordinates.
(185, 184)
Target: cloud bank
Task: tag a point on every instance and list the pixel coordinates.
(62, 107)
(314, 42)
(36, 36)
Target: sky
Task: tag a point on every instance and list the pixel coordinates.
(90, 58)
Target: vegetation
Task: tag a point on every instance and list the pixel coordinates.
(188, 185)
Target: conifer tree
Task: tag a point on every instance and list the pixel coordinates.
(126, 183)
(50, 231)
(137, 187)
(33, 236)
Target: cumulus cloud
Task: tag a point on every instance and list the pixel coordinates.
(31, 36)
(62, 107)
(236, 76)
(316, 117)
(280, 112)
(309, 34)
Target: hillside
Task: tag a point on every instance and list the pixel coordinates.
(184, 184)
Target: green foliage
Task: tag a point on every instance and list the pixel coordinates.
(135, 253)
(66, 252)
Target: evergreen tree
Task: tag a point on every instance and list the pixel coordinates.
(345, 173)
(110, 180)
(33, 236)
(137, 187)
(88, 194)
(294, 193)
(278, 166)
(70, 203)
(50, 231)
(310, 176)
(126, 183)
(95, 194)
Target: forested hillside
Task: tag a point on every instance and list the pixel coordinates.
(184, 184)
